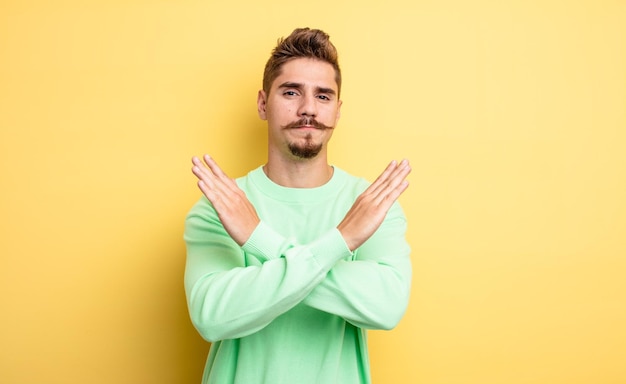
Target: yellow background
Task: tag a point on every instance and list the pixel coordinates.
(513, 114)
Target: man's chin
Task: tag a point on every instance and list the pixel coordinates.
(306, 151)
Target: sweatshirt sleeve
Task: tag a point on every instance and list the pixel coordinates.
(234, 291)
(371, 290)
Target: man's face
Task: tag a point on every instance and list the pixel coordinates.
(302, 108)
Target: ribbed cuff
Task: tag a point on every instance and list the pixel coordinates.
(329, 249)
(264, 243)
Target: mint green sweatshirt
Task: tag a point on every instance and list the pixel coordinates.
(292, 304)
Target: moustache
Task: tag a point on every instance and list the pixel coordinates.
(307, 121)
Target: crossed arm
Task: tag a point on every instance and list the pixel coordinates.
(240, 218)
(227, 301)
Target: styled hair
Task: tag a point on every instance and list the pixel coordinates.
(302, 43)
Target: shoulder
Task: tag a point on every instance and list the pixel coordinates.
(202, 210)
(355, 183)
(253, 177)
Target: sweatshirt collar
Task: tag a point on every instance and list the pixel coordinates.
(297, 195)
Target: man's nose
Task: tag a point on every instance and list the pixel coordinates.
(308, 106)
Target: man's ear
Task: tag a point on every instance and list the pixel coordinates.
(261, 103)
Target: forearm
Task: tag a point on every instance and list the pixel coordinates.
(235, 292)
(364, 293)
(372, 289)
(241, 301)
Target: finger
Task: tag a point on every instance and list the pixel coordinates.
(207, 191)
(390, 176)
(212, 165)
(214, 190)
(213, 177)
(221, 175)
(396, 192)
(200, 169)
(380, 180)
(396, 182)
(401, 172)
(401, 168)
(211, 186)
(205, 176)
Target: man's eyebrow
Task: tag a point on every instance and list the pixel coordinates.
(329, 91)
(289, 84)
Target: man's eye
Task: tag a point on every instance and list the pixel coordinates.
(324, 97)
(290, 93)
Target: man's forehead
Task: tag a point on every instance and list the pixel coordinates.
(306, 72)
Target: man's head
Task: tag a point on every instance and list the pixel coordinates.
(300, 95)
(302, 43)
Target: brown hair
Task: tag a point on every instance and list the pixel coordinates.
(302, 43)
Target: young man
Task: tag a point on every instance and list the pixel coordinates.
(288, 266)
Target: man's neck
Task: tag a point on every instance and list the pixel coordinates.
(299, 173)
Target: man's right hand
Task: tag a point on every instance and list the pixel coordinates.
(371, 207)
(233, 208)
